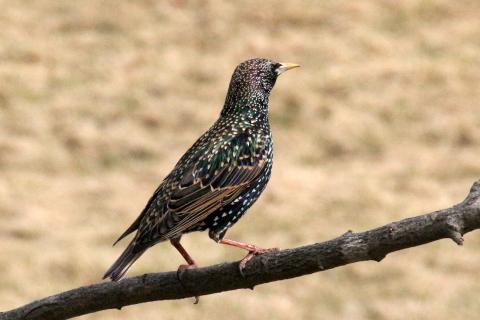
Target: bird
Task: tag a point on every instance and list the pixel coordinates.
(219, 177)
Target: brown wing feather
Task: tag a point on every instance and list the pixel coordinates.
(204, 187)
(198, 208)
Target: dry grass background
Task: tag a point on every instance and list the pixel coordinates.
(98, 99)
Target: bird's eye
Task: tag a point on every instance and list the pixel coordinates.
(275, 66)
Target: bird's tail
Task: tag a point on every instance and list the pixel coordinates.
(124, 262)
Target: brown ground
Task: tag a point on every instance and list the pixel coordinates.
(98, 99)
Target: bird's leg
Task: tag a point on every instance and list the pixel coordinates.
(252, 249)
(190, 262)
(181, 269)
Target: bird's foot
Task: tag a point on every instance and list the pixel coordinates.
(181, 272)
(183, 267)
(253, 250)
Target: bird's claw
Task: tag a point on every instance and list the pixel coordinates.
(180, 272)
(254, 252)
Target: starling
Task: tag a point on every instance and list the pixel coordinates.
(218, 178)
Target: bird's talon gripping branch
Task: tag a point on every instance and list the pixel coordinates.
(252, 249)
(180, 272)
(181, 268)
(255, 252)
(243, 262)
(184, 267)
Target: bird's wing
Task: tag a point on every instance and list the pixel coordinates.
(147, 209)
(212, 181)
(153, 211)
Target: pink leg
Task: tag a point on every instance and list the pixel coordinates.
(190, 263)
(252, 249)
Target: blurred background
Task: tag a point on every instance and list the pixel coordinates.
(99, 99)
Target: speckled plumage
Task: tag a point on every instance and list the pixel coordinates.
(219, 177)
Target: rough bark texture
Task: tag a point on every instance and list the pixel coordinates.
(351, 247)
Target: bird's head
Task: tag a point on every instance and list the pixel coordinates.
(258, 74)
(253, 80)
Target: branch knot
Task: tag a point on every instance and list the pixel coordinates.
(454, 231)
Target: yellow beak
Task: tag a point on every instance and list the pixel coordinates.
(284, 66)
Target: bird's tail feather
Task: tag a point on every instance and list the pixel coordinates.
(124, 262)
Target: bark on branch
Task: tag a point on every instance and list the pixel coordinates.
(351, 247)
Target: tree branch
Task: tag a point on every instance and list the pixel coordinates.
(351, 247)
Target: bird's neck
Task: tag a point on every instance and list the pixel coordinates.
(247, 105)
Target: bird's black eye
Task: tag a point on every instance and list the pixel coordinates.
(276, 66)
